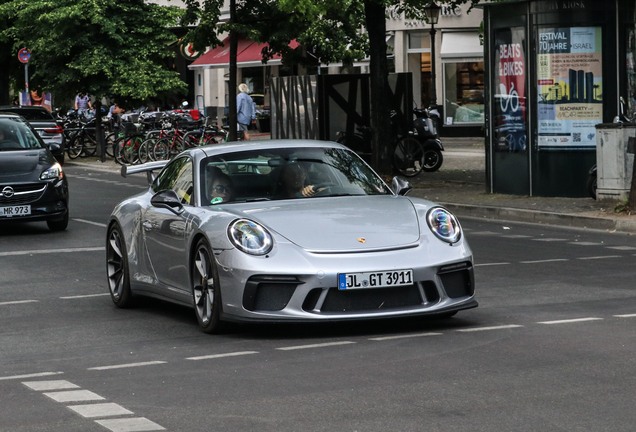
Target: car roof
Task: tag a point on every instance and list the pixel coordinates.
(234, 147)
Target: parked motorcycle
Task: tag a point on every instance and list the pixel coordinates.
(425, 131)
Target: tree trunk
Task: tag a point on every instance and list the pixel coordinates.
(5, 58)
(380, 90)
(232, 122)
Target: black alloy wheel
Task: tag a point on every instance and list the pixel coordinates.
(432, 160)
(117, 268)
(206, 292)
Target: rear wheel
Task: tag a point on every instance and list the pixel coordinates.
(89, 145)
(206, 291)
(75, 147)
(432, 160)
(162, 149)
(117, 268)
(408, 157)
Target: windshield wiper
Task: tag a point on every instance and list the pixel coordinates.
(253, 200)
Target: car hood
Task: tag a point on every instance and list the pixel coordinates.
(24, 165)
(340, 224)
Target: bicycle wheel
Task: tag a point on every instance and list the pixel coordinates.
(146, 150)
(162, 149)
(110, 140)
(75, 147)
(408, 157)
(118, 150)
(214, 138)
(131, 150)
(192, 139)
(89, 145)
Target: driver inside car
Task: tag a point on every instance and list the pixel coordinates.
(292, 183)
(219, 186)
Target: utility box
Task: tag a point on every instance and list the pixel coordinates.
(614, 160)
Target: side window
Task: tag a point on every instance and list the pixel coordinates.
(177, 176)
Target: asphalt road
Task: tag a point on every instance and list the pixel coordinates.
(550, 348)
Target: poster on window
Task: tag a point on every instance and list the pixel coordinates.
(570, 86)
(510, 90)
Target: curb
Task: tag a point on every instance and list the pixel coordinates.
(542, 217)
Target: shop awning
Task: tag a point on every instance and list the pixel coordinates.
(457, 45)
(248, 54)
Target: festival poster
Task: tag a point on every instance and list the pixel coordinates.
(510, 90)
(570, 86)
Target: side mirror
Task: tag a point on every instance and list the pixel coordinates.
(167, 199)
(401, 186)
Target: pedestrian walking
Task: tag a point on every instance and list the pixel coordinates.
(245, 112)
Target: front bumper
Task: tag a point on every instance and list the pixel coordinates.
(50, 204)
(294, 286)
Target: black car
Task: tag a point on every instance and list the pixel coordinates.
(46, 126)
(33, 186)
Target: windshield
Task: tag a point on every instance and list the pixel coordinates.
(16, 135)
(293, 173)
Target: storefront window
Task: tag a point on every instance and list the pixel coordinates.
(464, 93)
(631, 74)
(419, 41)
(509, 104)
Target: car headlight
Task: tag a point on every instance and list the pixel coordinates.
(250, 237)
(53, 173)
(444, 225)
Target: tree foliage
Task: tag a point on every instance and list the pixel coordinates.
(101, 47)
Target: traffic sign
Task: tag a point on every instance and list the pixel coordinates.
(23, 55)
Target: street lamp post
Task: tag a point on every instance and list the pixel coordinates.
(432, 15)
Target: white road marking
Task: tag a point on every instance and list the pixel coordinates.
(516, 236)
(586, 243)
(502, 327)
(18, 302)
(570, 320)
(35, 375)
(549, 239)
(85, 296)
(599, 257)
(138, 424)
(215, 356)
(322, 345)
(50, 385)
(625, 248)
(90, 222)
(483, 233)
(385, 338)
(543, 261)
(491, 264)
(626, 316)
(74, 396)
(53, 251)
(128, 365)
(100, 410)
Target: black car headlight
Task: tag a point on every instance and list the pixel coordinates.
(53, 173)
(444, 225)
(250, 237)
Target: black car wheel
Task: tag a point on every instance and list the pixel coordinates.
(592, 183)
(205, 289)
(117, 268)
(432, 160)
(58, 225)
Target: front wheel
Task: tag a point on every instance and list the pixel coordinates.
(432, 160)
(408, 157)
(75, 147)
(206, 291)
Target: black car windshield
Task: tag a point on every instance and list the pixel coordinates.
(16, 135)
(289, 173)
(32, 114)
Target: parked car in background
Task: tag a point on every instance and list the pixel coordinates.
(45, 125)
(33, 186)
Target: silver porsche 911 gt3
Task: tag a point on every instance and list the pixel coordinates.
(287, 231)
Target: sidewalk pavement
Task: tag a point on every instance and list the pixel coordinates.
(460, 185)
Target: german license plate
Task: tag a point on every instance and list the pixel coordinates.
(390, 278)
(11, 211)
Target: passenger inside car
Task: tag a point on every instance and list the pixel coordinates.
(219, 186)
(291, 183)
(6, 142)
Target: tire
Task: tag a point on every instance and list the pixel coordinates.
(75, 147)
(192, 139)
(216, 138)
(117, 268)
(144, 154)
(206, 292)
(130, 150)
(89, 146)
(118, 151)
(408, 157)
(432, 160)
(592, 183)
(161, 150)
(58, 225)
(110, 141)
